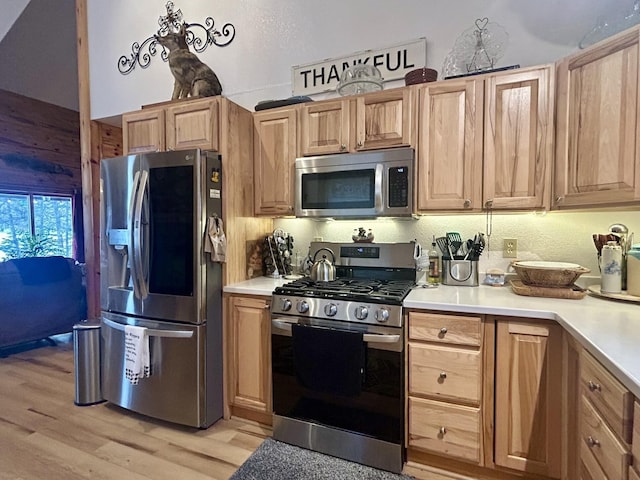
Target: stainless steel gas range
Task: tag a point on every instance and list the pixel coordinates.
(338, 356)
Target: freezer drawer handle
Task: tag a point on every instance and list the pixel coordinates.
(152, 331)
(367, 337)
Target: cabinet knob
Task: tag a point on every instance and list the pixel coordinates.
(442, 430)
(559, 199)
(443, 331)
(488, 203)
(594, 386)
(593, 442)
(467, 203)
(343, 147)
(443, 375)
(267, 306)
(360, 143)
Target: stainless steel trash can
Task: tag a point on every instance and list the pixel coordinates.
(86, 360)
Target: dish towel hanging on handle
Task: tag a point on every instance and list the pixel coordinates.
(215, 241)
(137, 363)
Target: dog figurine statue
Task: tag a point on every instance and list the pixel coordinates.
(193, 78)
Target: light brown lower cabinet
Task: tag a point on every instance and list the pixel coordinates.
(605, 422)
(635, 443)
(528, 396)
(446, 428)
(248, 357)
(490, 404)
(600, 442)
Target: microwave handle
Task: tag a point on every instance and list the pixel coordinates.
(379, 188)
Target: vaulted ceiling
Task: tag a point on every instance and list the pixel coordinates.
(38, 50)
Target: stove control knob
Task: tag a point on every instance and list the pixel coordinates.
(330, 309)
(303, 307)
(362, 312)
(286, 305)
(382, 315)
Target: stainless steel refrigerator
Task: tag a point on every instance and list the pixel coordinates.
(155, 273)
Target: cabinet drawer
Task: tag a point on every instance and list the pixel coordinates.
(447, 372)
(635, 444)
(589, 467)
(453, 329)
(445, 428)
(598, 439)
(608, 395)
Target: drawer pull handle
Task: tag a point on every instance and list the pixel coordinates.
(593, 442)
(594, 386)
(443, 330)
(443, 375)
(443, 430)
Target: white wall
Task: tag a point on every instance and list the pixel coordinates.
(38, 54)
(274, 35)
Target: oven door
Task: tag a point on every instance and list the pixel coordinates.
(317, 377)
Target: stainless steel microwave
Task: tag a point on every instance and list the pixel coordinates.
(377, 183)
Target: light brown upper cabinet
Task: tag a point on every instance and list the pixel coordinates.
(518, 139)
(597, 152)
(324, 127)
(449, 163)
(274, 161)
(366, 122)
(189, 124)
(143, 131)
(486, 141)
(193, 125)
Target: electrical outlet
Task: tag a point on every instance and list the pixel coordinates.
(509, 248)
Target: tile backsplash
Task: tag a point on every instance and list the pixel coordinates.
(552, 236)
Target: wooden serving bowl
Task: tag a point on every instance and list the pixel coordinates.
(548, 274)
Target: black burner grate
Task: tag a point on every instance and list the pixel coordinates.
(391, 291)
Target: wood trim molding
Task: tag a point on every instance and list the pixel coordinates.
(93, 304)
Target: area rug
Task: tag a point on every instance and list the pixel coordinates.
(274, 460)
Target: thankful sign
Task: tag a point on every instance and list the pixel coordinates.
(393, 62)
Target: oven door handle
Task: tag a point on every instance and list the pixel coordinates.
(366, 337)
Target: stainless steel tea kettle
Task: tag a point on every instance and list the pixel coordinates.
(323, 270)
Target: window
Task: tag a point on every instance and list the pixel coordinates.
(35, 225)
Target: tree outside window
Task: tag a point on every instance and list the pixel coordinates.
(34, 225)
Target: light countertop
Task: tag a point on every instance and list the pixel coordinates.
(609, 330)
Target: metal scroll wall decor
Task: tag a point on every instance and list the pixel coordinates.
(198, 36)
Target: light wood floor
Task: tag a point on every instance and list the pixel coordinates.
(43, 435)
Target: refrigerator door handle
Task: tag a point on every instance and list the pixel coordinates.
(132, 241)
(152, 332)
(138, 228)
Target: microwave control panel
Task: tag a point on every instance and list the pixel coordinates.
(398, 187)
